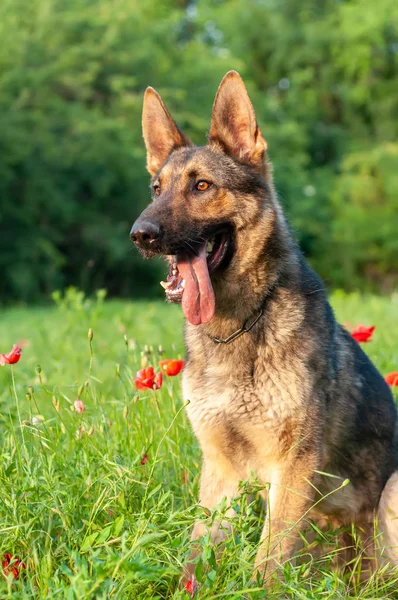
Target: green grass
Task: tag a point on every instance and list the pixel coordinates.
(79, 508)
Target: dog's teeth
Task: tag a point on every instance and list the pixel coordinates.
(174, 271)
(165, 285)
(209, 247)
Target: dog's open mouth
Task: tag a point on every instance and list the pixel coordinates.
(189, 281)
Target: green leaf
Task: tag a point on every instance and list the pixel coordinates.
(89, 541)
(118, 525)
(104, 535)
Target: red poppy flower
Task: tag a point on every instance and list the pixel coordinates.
(147, 380)
(392, 378)
(12, 564)
(171, 367)
(192, 586)
(12, 357)
(363, 334)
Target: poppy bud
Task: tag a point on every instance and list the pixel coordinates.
(79, 406)
(38, 369)
(192, 586)
(28, 397)
(90, 335)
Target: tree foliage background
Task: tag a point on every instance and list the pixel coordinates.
(322, 75)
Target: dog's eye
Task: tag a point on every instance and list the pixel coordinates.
(156, 189)
(202, 186)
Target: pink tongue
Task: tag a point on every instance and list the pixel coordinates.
(198, 301)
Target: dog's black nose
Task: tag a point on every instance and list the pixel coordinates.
(145, 233)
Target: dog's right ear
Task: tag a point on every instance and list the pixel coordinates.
(161, 134)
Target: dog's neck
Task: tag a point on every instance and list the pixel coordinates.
(252, 279)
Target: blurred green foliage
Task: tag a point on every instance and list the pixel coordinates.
(323, 78)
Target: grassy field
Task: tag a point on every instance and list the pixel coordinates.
(99, 504)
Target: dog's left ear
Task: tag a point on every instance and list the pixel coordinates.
(234, 125)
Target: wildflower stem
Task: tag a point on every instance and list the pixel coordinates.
(36, 405)
(14, 389)
(157, 404)
(90, 341)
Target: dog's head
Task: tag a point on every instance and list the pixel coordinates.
(207, 200)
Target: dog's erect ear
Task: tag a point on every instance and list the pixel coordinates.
(161, 134)
(233, 124)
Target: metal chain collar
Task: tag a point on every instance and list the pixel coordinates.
(247, 325)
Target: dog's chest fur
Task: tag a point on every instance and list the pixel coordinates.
(244, 402)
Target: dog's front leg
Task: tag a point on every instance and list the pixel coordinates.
(289, 498)
(219, 480)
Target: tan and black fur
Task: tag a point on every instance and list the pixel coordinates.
(296, 395)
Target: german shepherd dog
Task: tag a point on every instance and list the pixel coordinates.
(276, 385)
